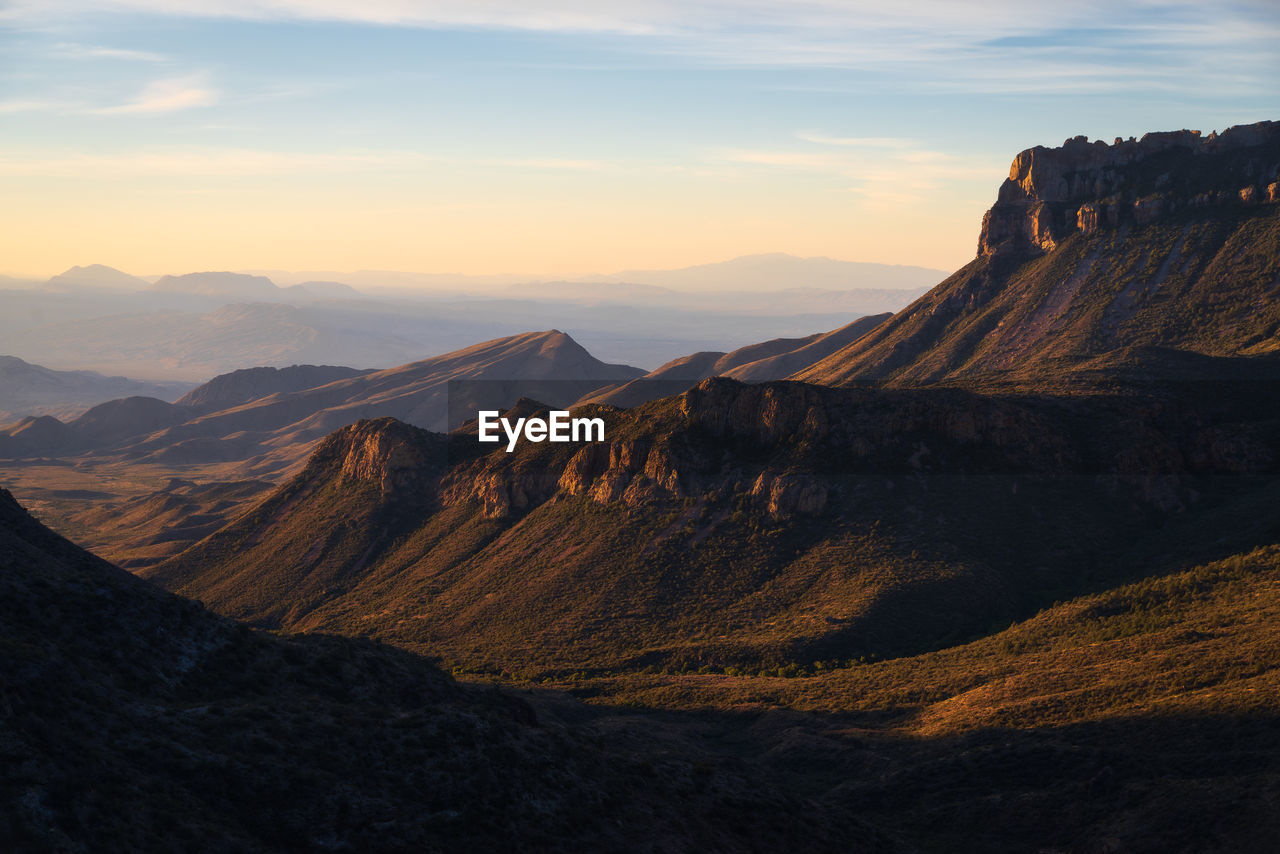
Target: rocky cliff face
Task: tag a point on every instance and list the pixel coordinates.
(1100, 264)
(387, 452)
(778, 446)
(1087, 186)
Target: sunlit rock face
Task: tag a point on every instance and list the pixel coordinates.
(1086, 186)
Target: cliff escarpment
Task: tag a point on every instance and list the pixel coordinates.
(735, 524)
(1100, 264)
(1088, 186)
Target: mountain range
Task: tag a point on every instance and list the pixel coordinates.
(769, 360)
(998, 572)
(761, 273)
(267, 418)
(27, 389)
(263, 422)
(191, 336)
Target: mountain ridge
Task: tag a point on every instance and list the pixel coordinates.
(28, 389)
(768, 360)
(782, 520)
(1091, 249)
(275, 430)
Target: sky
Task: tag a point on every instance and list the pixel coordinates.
(576, 136)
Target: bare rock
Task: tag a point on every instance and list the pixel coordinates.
(785, 494)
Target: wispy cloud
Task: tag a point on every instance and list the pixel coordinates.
(548, 163)
(33, 105)
(195, 162)
(70, 50)
(167, 96)
(898, 174)
(995, 45)
(231, 162)
(855, 141)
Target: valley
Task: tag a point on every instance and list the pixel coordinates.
(996, 571)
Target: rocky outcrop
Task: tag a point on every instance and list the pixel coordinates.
(1085, 186)
(384, 451)
(768, 413)
(785, 494)
(790, 449)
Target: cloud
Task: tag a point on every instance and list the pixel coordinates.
(856, 141)
(897, 174)
(986, 46)
(32, 105)
(167, 96)
(192, 162)
(551, 163)
(233, 162)
(70, 50)
(785, 159)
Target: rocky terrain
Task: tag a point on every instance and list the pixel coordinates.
(135, 720)
(1168, 244)
(732, 526)
(1001, 574)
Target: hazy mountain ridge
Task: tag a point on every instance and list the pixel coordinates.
(768, 360)
(304, 404)
(242, 286)
(769, 271)
(763, 272)
(193, 337)
(95, 277)
(1173, 242)
(33, 390)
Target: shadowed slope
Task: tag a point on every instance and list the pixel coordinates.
(134, 720)
(732, 525)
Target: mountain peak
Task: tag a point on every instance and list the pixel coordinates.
(1084, 186)
(96, 276)
(223, 284)
(1091, 250)
(384, 451)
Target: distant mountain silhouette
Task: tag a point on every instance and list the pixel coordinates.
(779, 271)
(27, 389)
(240, 287)
(233, 286)
(324, 290)
(278, 427)
(95, 277)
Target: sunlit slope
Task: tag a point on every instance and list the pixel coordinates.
(1092, 253)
